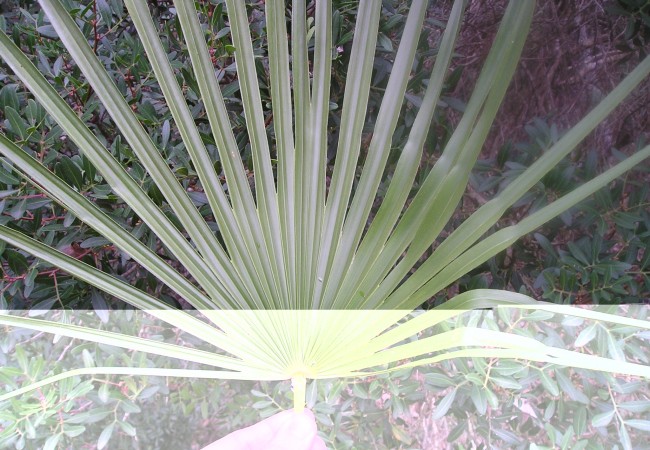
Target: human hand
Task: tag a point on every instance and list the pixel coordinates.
(287, 430)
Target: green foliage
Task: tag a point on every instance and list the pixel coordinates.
(107, 410)
(637, 16)
(595, 253)
(510, 404)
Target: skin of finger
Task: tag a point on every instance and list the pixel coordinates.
(315, 444)
(300, 433)
(261, 434)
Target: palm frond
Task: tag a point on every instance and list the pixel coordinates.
(285, 297)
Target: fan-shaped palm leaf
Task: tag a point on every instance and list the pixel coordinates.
(304, 287)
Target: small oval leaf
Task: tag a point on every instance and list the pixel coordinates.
(444, 405)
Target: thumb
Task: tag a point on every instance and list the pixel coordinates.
(297, 433)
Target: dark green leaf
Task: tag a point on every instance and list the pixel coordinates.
(586, 335)
(17, 261)
(603, 419)
(624, 436)
(165, 133)
(568, 388)
(89, 170)
(506, 382)
(444, 405)
(438, 380)
(637, 406)
(51, 442)
(73, 431)
(18, 126)
(639, 424)
(401, 435)
(549, 383)
(262, 404)
(479, 398)
(127, 428)
(48, 31)
(105, 436)
(18, 210)
(7, 177)
(507, 436)
(100, 306)
(9, 97)
(69, 172)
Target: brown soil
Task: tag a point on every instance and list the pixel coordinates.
(576, 53)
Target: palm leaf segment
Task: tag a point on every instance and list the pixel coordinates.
(303, 288)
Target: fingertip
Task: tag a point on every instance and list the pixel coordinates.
(305, 412)
(304, 423)
(318, 444)
(297, 432)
